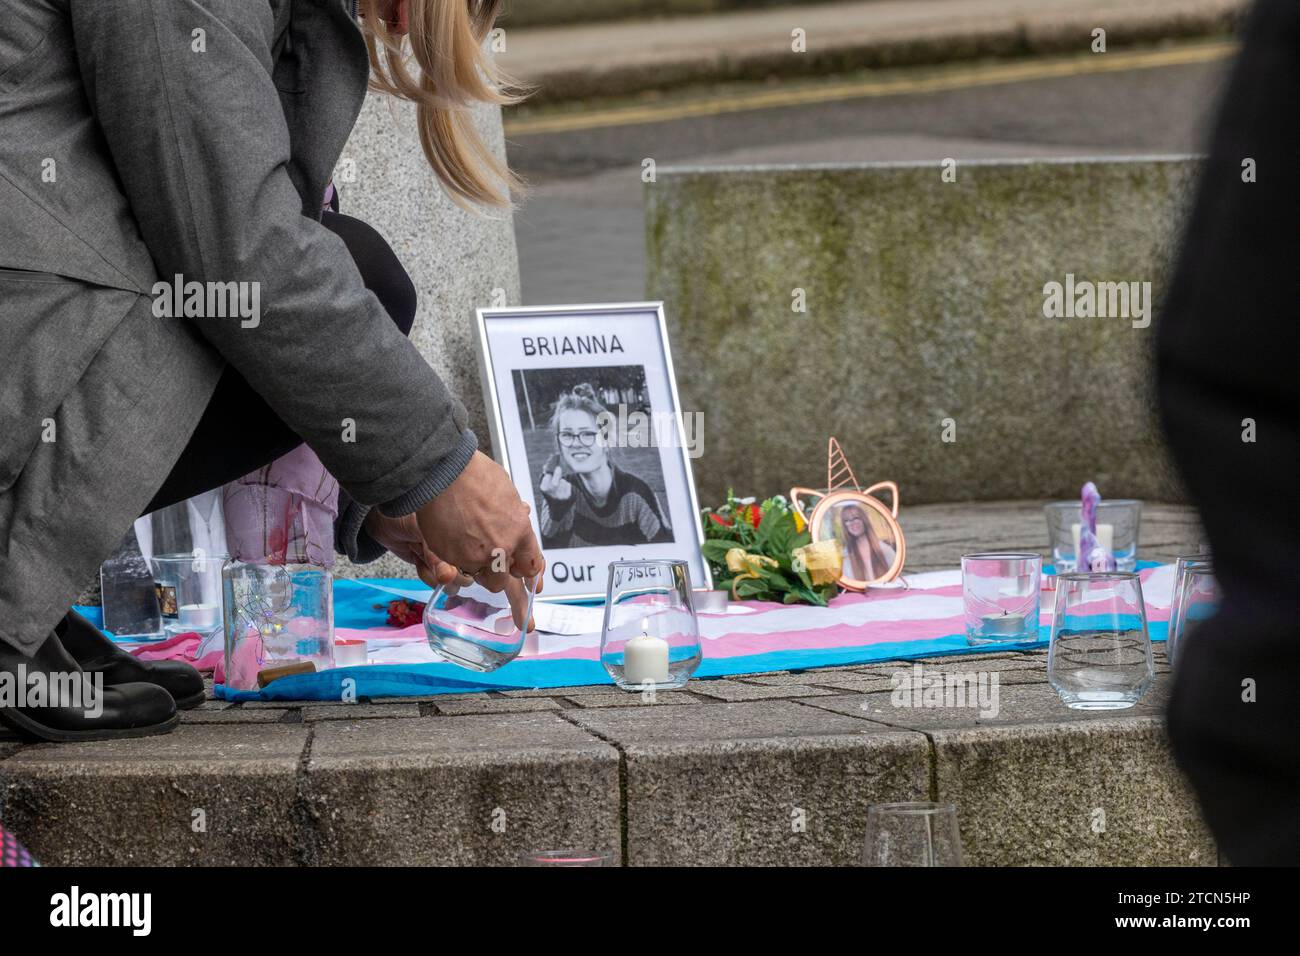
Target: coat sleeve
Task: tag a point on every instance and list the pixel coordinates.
(201, 145)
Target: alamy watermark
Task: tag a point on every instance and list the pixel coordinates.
(209, 300)
(75, 690)
(1084, 299)
(620, 428)
(133, 911)
(975, 690)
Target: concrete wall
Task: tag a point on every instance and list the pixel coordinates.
(924, 304)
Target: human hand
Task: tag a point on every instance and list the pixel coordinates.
(555, 485)
(402, 537)
(480, 525)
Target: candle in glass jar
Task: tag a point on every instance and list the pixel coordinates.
(1105, 538)
(199, 617)
(645, 658)
(1002, 625)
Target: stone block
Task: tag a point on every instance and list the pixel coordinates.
(767, 783)
(1097, 792)
(476, 790)
(923, 300)
(201, 795)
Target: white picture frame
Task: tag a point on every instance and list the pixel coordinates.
(541, 368)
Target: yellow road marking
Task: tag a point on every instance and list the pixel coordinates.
(989, 75)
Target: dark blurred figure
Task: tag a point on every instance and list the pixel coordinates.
(1228, 359)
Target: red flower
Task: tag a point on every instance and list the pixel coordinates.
(404, 613)
(725, 522)
(753, 514)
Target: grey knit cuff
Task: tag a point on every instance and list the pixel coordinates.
(350, 537)
(444, 473)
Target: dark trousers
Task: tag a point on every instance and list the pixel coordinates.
(1230, 401)
(239, 432)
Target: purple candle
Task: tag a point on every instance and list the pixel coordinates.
(1091, 556)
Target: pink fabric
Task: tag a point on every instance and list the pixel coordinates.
(284, 512)
(182, 647)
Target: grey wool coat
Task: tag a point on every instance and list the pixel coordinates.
(142, 140)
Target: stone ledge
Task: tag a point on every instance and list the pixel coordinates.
(759, 782)
(762, 782)
(139, 802)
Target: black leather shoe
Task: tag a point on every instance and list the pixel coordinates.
(75, 705)
(98, 655)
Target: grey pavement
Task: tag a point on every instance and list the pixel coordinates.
(620, 58)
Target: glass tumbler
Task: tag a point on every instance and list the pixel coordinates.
(276, 614)
(651, 636)
(475, 628)
(1100, 653)
(1196, 597)
(1118, 522)
(912, 834)
(189, 593)
(1000, 596)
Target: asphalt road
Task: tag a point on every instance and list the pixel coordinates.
(580, 233)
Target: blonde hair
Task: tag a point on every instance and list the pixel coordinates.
(446, 40)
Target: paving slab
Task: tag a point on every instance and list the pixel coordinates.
(360, 712)
(213, 705)
(563, 691)
(763, 783)
(237, 715)
(1027, 703)
(733, 691)
(804, 677)
(622, 698)
(284, 704)
(478, 790)
(202, 795)
(495, 705)
(431, 698)
(852, 683)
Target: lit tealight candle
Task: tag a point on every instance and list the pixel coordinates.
(199, 617)
(349, 653)
(645, 658)
(1002, 625)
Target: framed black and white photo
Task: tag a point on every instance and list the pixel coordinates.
(584, 414)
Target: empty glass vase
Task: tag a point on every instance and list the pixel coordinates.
(476, 628)
(1196, 598)
(1100, 653)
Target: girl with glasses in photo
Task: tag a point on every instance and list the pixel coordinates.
(587, 499)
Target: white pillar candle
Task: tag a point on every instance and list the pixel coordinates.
(1105, 538)
(645, 658)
